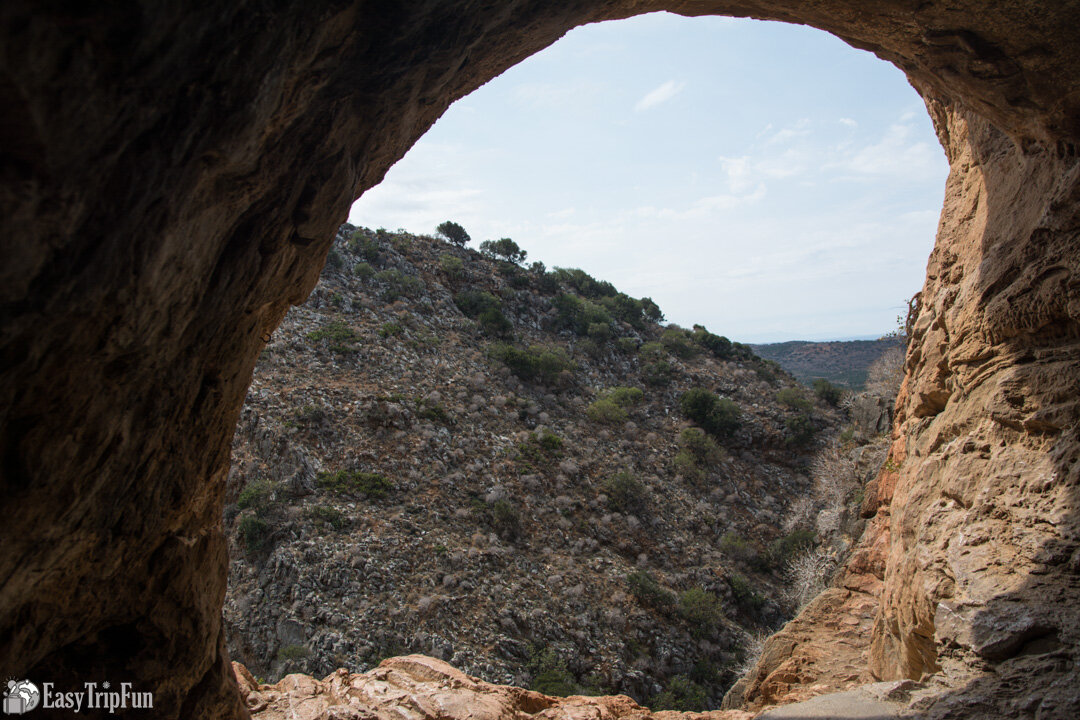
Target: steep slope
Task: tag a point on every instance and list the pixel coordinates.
(518, 492)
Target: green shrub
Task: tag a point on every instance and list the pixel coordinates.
(651, 310)
(368, 250)
(658, 374)
(473, 303)
(783, 549)
(546, 365)
(514, 275)
(308, 415)
(550, 676)
(680, 694)
(628, 345)
(256, 534)
(340, 337)
(677, 342)
(847, 435)
(453, 232)
(793, 398)
(625, 396)
(701, 609)
(652, 351)
(701, 446)
(505, 520)
(293, 652)
(353, 483)
(699, 452)
(549, 441)
(684, 463)
(737, 547)
(390, 329)
(540, 448)
(327, 516)
(363, 270)
(584, 283)
(768, 370)
(452, 266)
(397, 284)
(717, 416)
(800, 430)
(334, 261)
(644, 587)
(744, 594)
(626, 494)
(828, 392)
(429, 410)
(606, 411)
(718, 345)
(504, 248)
(495, 324)
(579, 315)
(600, 332)
(257, 495)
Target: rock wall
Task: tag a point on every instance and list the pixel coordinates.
(970, 564)
(173, 175)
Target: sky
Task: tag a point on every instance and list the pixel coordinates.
(765, 180)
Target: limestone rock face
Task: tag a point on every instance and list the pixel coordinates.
(424, 688)
(970, 555)
(174, 173)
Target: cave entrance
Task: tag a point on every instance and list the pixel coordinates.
(669, 171)
(174, 192)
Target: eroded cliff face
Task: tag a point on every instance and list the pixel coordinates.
(970, 562)
(173, 176)
(983, 566)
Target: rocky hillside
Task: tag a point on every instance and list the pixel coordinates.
(841, 362)
(521, 472)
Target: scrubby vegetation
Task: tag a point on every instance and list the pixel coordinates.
(522, 471)
(717, 416)
(354, 483)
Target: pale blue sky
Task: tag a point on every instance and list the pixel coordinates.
(765, 180)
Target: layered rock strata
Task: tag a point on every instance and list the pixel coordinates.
(172, 178)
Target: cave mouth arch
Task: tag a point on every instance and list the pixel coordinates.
(702, 162)
(174, 176)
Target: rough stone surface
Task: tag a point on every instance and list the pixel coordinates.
(423, 688)
(173, 175)
(871, 414)
(970, 550)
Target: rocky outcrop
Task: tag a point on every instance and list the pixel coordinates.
(974, 536)
(424, 688)
(173, 175)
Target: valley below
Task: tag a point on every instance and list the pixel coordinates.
(524, 473)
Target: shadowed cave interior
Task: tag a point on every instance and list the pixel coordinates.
(174, 176)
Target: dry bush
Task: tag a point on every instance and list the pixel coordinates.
(834, 476)
(800, 514)
(805, 573)
(753, 645)
(885, 374)
(833, 471)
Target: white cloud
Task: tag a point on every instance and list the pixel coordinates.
(659, 95)
(897, 154)
(848, 122)
(798, 130)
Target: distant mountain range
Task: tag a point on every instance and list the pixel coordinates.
(840, 362)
